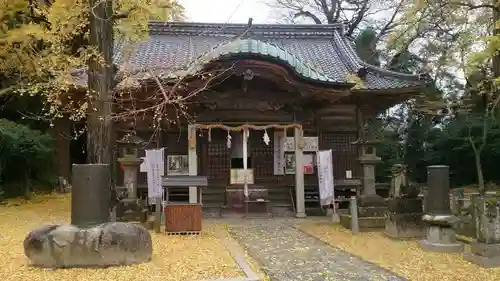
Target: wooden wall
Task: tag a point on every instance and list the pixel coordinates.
(214, 159)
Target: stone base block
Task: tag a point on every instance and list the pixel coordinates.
(441, 239)
(108, 244)
(366, 224)
(131, 210)
(405, 206)
(482, 261)
(485, 250)
(441, 248)
(373, 211)
(368, 200)
(404, 226)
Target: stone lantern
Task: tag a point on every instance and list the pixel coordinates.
(372, 207)
(130, 162)
(130, 208)
(368, 159)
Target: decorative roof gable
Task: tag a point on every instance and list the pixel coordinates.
(315, 52)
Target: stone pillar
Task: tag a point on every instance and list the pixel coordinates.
(440, 235)
(299, 174)
(192, 162)
(405, 209)
(130, 208)
(90, 202)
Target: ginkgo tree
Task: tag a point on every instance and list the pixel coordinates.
(43, 43)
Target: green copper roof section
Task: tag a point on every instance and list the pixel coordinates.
(257, 47)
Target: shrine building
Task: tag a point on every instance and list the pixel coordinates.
(271, 96)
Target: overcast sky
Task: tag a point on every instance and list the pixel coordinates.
(220, 11)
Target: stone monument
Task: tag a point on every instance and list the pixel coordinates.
(405, 210)
(440, 234)
(130, 208)
(90, 194)
(108, 244)
(371, 207)
(485, 250)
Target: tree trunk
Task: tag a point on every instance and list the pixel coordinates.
(479, 170)
(496, 32)
(100, 84)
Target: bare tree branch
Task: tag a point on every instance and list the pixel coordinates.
(390, 23)
(307, 14)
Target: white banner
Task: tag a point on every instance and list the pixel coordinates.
(154, 162)
(325, 177)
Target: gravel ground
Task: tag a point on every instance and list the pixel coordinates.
(402, 257)
(174, 258)
(287, 254)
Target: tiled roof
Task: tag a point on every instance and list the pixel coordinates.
(316, 52)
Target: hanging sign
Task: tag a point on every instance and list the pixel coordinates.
(307, 163)
(311, 144)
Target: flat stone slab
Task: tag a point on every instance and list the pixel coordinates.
(441, 247)
(287, 254)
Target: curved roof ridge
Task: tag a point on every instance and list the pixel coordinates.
(350, 61)
(156, 23)
(224, 29)
(353, 56)
(266, 49)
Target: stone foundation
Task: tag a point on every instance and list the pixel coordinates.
(109, 244)
(404, 218)
(484, 255)
(441, 239)
(404, 226)
(131, 210)
(366, 224)
(370, 219)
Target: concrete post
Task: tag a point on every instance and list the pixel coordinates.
(158, 211)
(299, 174)
(354, 215)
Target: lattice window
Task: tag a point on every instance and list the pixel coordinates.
(344, 152)
(262, 158)
(218, 159)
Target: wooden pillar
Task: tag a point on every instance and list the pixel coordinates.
(193, 162)
(299, 174)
